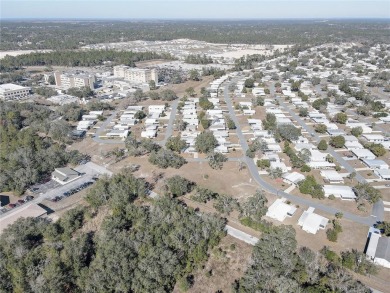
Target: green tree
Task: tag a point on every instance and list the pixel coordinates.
(377, 149)
(255, 206)
(303, 112)
(216, 160)
(320, 128)
(365, 191)
(322, 145)
(340, 118)
(176, 144)
(178, 186)
(289, 132)
(152, 85)
(357, 131)
(205, 142)
(225, 204)
(190, 91)
(249, 83)
(166, 158)
(263, 164)
(337, 141)
(194, 75)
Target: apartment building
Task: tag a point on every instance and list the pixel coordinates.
(69, 80)
(10, 91)
(136, 75)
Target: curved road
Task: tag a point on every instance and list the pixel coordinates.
(368, 221)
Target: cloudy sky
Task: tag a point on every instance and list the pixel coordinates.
(185, 9)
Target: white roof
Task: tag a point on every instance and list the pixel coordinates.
(373, 136)
(331, 175)
(372, 245)
(362, 153)
(311, 222)
(294, 177)
(279, 210)
(345, 192)
(11, 87)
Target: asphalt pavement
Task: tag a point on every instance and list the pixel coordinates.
(102, 128)
(169, 130)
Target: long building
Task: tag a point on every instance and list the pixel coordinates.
(10, 91)
(136, 75)
(69, 80)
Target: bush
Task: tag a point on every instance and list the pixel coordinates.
(331, 235)
(305, 168)
(263, 164)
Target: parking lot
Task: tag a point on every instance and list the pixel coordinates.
(52, 190)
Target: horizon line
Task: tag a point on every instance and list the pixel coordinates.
(199, 18)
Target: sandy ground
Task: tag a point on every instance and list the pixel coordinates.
(20, 52)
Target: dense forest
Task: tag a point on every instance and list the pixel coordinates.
(279, 266)
(18, 35)
(31, 145)
(123, 242)
(138, 248)
(80, 58)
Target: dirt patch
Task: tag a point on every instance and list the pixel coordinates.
(227, 262)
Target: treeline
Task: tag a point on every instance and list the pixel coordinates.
(138, 248)
(198, 59)
(67, 35)
(28, 152)
(80, 58)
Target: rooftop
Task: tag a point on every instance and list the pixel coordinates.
(11, 87)
(30, 210)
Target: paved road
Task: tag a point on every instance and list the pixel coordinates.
(101, 130)
(270, 188)
(169, 130)
(240, 235)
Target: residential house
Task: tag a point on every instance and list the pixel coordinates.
(378, 250)
(311, 222)
(279, 210)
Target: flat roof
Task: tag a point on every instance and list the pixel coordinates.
(374, 162)
(332, 175)
(373, 136)
(29, 210)
(294, 177)
(362, 152)
(11, 87)
(279, 210)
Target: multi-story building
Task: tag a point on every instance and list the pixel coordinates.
(69, 80)
(136, 75)
(10, 91)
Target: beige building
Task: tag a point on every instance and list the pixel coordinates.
(68, 80)
(10, 91)
(136, 75)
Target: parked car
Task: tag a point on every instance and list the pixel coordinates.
(12, 205)
(29, 197)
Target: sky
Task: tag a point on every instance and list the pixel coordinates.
(190, 9)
